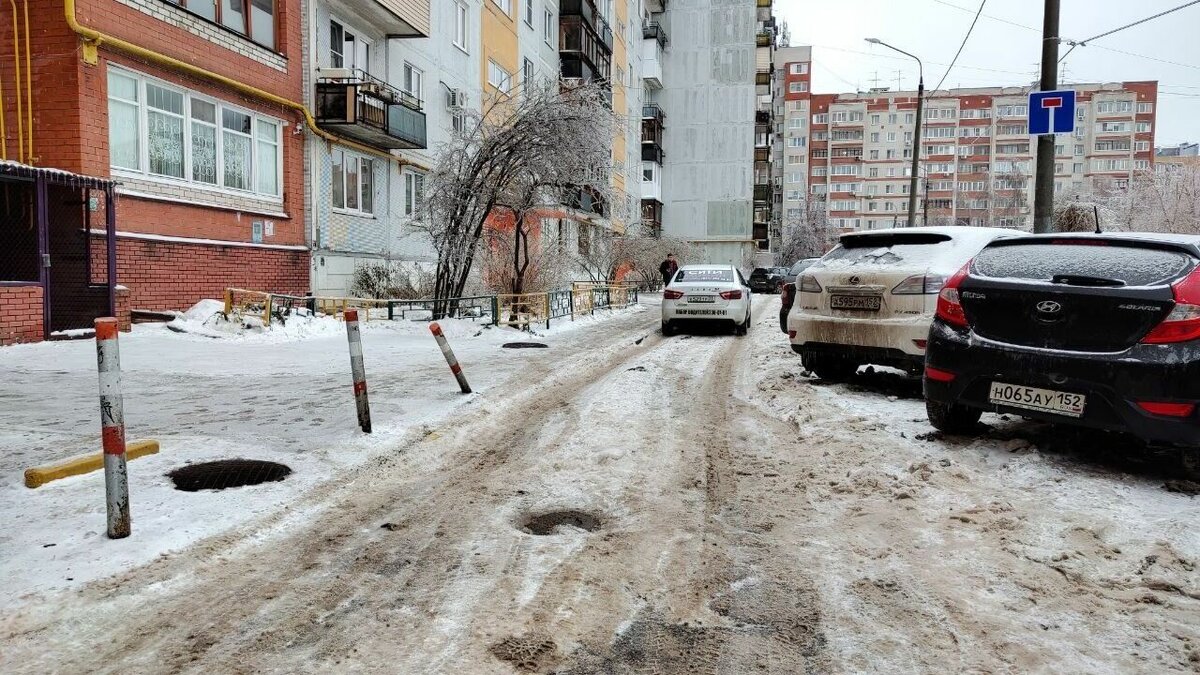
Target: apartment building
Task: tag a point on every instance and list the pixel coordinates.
(703, 89)
(195, 110)
(853, 152)
(1174, 157)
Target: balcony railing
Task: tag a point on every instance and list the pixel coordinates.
(586, 9)
(764, 39)
(652, 152)
(764, 3)
(653, 30)
(651, 111)
(762, 77)
(358, 106)
(762, 154)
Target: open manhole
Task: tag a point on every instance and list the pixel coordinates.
(525, 345)
(227, 473)
(552, 523)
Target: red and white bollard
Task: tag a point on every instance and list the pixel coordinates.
(354, 333)
(112, 428)
(449, 354)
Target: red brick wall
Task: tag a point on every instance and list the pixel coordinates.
(124, 315)
(169, 275)
(20, 314)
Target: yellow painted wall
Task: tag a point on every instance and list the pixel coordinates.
(620, 60)
(498, 35)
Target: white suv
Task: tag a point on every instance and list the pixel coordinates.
(871, 299)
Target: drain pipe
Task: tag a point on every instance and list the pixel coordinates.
(94, 38)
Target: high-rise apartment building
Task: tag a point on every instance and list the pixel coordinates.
(704, 88)
(853, 152)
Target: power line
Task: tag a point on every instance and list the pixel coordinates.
(964, 44)
(831, 72)
(1135, 23)
(1143, 56)
(988, 16)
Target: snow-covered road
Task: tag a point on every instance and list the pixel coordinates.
(743, 518)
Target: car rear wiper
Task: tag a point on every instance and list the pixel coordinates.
(1083, 280)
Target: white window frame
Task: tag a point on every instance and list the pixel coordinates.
(461, 26)
(348, 27)
(363, 162)
(410, 74)
(504, 5)
(504, 85)
(548, 26)
(409, 189)
(143, 170)
(529, 13)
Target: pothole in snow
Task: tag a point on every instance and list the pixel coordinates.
(227, 473)
(552, 523)
(525, 345)
(529, 653)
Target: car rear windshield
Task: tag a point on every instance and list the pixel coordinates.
(1128, 265)
(889, 248)
(801, 266)
(760, 272)
(704, 275)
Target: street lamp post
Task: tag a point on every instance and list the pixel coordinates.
(916, 160)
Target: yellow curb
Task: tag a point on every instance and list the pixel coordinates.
(40, 475)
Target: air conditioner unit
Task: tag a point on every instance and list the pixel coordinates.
(456, 98)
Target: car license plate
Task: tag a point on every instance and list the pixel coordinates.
(863, 303)
(701, 312)
(701, 298)
(1032, 398)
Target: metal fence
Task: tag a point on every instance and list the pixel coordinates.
(505, 309)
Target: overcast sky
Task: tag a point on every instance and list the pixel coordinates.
(1001, 53)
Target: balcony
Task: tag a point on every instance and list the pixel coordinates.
(574, 11)
(764, 39)
(653, 152)
(652, 209)
(652, 60)
(652, 111)
(762, 193)
(762, 117)
(760, 231)
(653, 30)
(762, 77)
(764, 3)
(357, 106)
(395, 18)
(762, 154)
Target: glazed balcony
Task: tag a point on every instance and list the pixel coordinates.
(357, 106)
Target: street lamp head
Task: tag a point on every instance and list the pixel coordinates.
(874, 41)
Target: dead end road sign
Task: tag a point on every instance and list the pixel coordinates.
(1051, 112)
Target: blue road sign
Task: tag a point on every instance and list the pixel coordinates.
(1051, 112)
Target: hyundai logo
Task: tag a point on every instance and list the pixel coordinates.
(1049, 307)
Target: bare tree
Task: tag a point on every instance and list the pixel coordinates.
(1166, 201)
(519, 152)
(807, 235)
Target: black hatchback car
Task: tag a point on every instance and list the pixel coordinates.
(1100, 331)
(767, 279)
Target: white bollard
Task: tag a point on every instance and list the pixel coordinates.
(112, 428)
(354, 333)
(449, 354)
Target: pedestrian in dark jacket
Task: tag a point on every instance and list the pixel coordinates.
(668, 268)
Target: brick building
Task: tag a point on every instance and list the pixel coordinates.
(194, 109)
(853, 152)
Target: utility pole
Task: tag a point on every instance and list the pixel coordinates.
(916, 163)
(1043, 194)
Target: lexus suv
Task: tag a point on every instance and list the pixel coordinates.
(871, 299)
(1099, 331)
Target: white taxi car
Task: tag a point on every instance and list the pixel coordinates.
(871, 299)
(706, 293)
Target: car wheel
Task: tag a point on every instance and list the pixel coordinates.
(832, 368)
(667, 329)
(743, 327)
(1189, 461)
(951, 418)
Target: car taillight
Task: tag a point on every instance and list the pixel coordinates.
(672, 295)
(1183, 323)
(1167, 409)
(920, 284)
(949, 307)
(939, 375)
(809, 284)
(731, 295)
